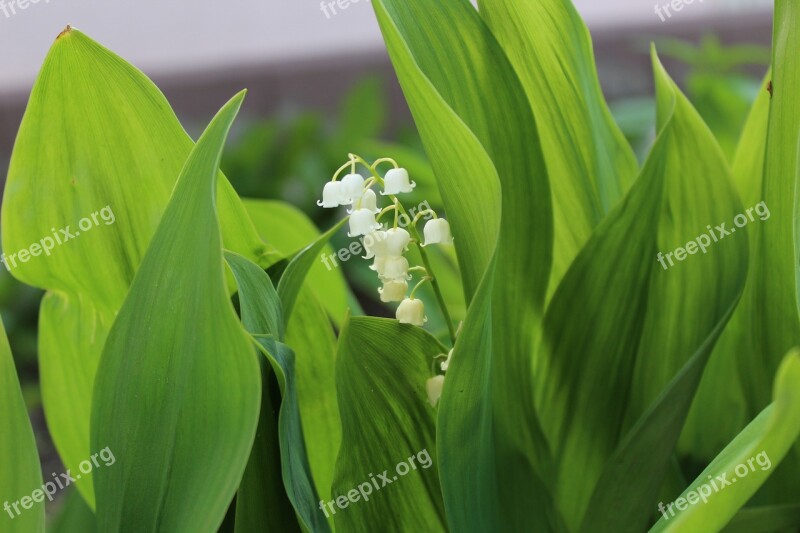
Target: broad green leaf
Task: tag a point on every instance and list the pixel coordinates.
(467, 179)
(309, 333)
(685, 185)
(289, 230)
(381, 374)
(742, 467)
(775, 266)
(706, 433)
(177, 391)
(590, 163)
(313, 340)
(20, 473)
(478, 130)
(262, 317)
(96, 133)
(72, 333)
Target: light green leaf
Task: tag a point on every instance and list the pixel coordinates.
(20, 473)
(177, 391)
(96, 133)
(741, 468)
(590, 163)
(289, 230)
(381, 374)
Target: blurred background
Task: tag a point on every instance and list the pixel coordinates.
(321, 85)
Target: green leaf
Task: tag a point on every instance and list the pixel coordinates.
(381, 374)
(479, 132)
(96, 133)
(467, 179)
(294, 276)
(296, 470)
(775, 269)
(74, 516)
(310, 334)
(627, 307)
(289, 230)
(749, 460)
(177, 391)
(313, 340)
(262, 317)
(20, 474)
(721, 389)
(590, 162)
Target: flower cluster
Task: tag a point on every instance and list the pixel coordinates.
(386, 246)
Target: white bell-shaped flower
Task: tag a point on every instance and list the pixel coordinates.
(332, 194)
(446, 363)
(379, 265)
(437, 231)
(393, 291)
(397, 181)
(397, 240)
(375, 245)
(362, 222)
(353, 185)
(368, 200)
(394, 269)
(411, 312)
(434, 386)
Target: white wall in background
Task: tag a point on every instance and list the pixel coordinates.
(174, 35)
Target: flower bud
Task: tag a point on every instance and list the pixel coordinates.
(411, 312)
(446, 364)
(397, 240)
(375, 245)
(397, 181)
(368, 200)
(437, 231)
(332, 194)
(362, 222)
(353, 188)
(393, 291)
(434, 387)
(395, 269)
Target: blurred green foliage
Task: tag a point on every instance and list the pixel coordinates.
(717, 82)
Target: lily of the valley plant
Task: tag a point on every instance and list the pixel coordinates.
(587, 389)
